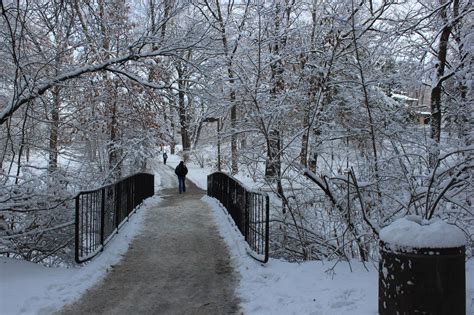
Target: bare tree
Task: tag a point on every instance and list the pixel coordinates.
(220, 23)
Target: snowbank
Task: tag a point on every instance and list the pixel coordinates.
(415, 232)
(28, 288)
(315, 287)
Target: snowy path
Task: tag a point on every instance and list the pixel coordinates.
(178, 264)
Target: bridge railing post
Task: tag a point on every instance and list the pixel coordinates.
(102, 216)
(76, 230)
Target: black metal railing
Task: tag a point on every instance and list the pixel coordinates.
(248, 208)
(100, 212)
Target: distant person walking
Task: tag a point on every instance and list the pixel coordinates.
(165, 157)
(181, 170)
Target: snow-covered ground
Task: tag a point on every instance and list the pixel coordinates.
(28, 288)
(277, 287)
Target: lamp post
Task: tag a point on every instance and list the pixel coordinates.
(218, 120)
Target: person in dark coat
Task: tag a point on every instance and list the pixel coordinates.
(181, 170)
(165, 157)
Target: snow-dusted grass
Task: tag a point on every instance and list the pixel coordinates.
(28, 288)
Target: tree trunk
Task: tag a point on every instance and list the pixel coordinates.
(167, 10)
(233, 138)
(54, 129)
(436, 88)
(183, 117)
(273, 168)
(229, 54)
(304, 141)
(114, 163)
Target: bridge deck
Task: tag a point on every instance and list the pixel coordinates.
(179, 264)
